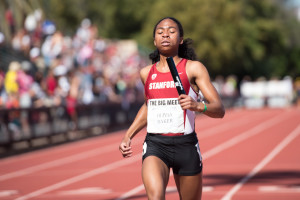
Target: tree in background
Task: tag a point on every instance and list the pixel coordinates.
(237, 37)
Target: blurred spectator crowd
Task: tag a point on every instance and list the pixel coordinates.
(68, 70)
(85, 68)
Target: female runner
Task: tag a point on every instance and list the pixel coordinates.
(171, 141)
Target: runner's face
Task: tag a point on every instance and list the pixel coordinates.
(167, 36)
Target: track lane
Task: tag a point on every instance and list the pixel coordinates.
(64, 166)
(133, 169)
(278, 173)
(56, 156)
(229, 168)
(235, 189)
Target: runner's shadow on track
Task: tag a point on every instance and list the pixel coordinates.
(269, 177)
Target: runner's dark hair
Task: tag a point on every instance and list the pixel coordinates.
(185, 50)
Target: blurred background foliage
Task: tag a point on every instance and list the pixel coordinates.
(241, 37)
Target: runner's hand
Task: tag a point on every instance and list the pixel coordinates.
(187, 102)
(125, 147)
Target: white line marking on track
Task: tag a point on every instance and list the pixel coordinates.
(62, 161)
(243, 136)
(141, 187)
(54, 163)
(221, 128)
(86, 191)
(207, 189)
(131, 192)
(265, 161)
(56, 149)
(83, 176)
(279, 189)
(7, 193)
(136, 190)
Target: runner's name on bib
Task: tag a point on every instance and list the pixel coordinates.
(165, 116)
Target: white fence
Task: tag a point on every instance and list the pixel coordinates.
(271, 93)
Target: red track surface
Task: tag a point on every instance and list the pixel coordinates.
(249, 154)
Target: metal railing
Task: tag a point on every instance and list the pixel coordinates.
(27, 124)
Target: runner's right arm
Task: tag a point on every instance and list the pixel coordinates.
(139, 122)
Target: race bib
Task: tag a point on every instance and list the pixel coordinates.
(165, 116)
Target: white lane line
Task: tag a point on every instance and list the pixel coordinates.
(56, 149)
(279, 189)
(136, 190)
(243, 136)
(221, 128)
(140, 188)
(86, 191)
(131, 192)
(8, 193)
(264, 162)
(62, 161)
(257, 129)
(94, 172)
(54, 163)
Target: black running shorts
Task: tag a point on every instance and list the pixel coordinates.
(181, 153)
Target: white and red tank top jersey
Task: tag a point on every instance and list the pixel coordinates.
(165, 115)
